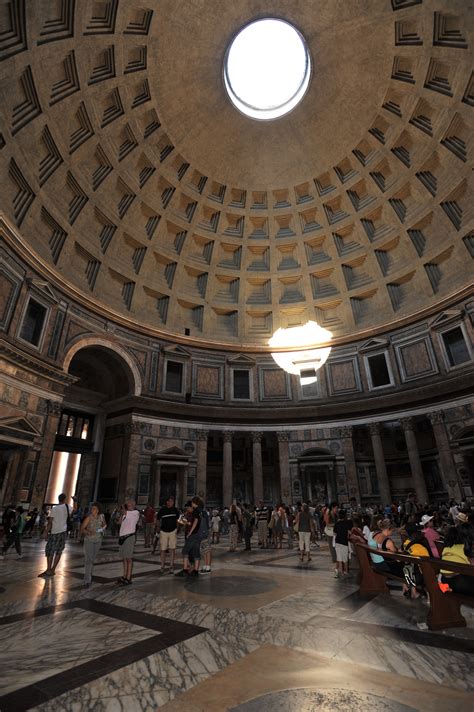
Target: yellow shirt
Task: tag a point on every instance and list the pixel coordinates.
(416, 549)
(455, 554)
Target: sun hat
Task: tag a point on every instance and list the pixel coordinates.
(425, 519)
(461, 517)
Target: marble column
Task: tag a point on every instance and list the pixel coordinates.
(284, 458)
(415, 462)
(54, 409)
(448, 472)
(350, 462)
(156, 483)
(257, 466)
(181, 486)
(227, 474)
(375, 430)
(201, 474)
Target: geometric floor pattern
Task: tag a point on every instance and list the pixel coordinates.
(262, 632)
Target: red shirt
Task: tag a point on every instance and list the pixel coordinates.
(149, 515)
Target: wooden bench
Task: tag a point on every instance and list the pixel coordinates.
(445, 608)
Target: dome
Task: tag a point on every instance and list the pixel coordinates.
(171, 211)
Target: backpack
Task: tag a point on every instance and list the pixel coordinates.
(68, 521)
(203, 531)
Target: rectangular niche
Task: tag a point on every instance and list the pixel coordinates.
(416, 358)
(208, 381)
(343, 376)
(274, 384)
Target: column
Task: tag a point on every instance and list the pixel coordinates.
(181, 486)
(415, 462)
(201, 474)
(382, 477)
(350, 462)
(284, 457)
(54, 409)
(156, 483)
(227, 474)
(257, 466)
(448, 472)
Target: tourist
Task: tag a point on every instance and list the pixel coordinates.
(30, 523)
(459, 549)
(92, 529)
(247, 521)
(330, 518)
(279, 523)
(414, 544)
(192, 544)
(216, 526)
(233, 528)
(385, 543)
(225, 520)
(127, 538)
(341, 543)
(304, 526)
(17, 528)
(77, 517)
(56, 534)
(261, 515)
(430, 534)
(166, 532)
(206, 548)
(290, 520)
(149, 521)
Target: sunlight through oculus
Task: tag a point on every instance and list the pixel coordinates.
(267, 69)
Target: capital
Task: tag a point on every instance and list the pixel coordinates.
(54, 407)
(202, 434)
(408, 424)
(375, 428)
(436, 417)
(346, 431)
(257, 437)
(227, 435)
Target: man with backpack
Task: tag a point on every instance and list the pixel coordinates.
(198, 530)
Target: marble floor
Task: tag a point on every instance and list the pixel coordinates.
(261, 632)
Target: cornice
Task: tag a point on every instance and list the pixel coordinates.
(34, 364)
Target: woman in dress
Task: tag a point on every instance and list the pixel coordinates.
(233, 528)
(92, 529)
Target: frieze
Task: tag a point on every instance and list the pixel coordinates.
(34, 364)
(137, 428)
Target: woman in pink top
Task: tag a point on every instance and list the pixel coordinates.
(430, 534)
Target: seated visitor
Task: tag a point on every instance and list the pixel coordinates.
(385, 543)
(458, 549)
(430, 534)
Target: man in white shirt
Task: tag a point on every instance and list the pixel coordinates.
(56, 534)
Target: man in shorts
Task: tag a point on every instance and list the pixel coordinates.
(56, 534)
(167, 525)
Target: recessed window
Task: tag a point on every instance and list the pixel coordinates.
(241, 384)
(378, 371)
(455, 346)
(267, 69)
(174, 377)
(33, 322)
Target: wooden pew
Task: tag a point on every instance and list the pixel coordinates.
(444, 610)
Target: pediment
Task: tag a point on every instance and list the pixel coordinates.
(241, 360)
(44, 289)
(176, 351)
(19, 424)
(372, 344)
(445, 317)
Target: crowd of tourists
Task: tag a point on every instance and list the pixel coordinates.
(443, 530)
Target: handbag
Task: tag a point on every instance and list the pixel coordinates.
(123, 539)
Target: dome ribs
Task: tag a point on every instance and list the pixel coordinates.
(29, 108)
(13, 38)
(59, 28)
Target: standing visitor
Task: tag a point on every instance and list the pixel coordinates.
(92, 529)
(56, 534)
(233, 528)
(261, 515)
(204, 535)
(216, 525)
(330, 518)
(167, 527)
(127, 538)
(149, 521)
(304, 525)
(247, 521)
(192, 545)
(17, 528)
(341, 543)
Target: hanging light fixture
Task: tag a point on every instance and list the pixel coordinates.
(309, 350)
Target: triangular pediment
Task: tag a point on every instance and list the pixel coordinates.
(44, 289)
(19, 424)
(445, 317)
(176, 351)
(175, 451)
(241, 360)
(372, 344)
